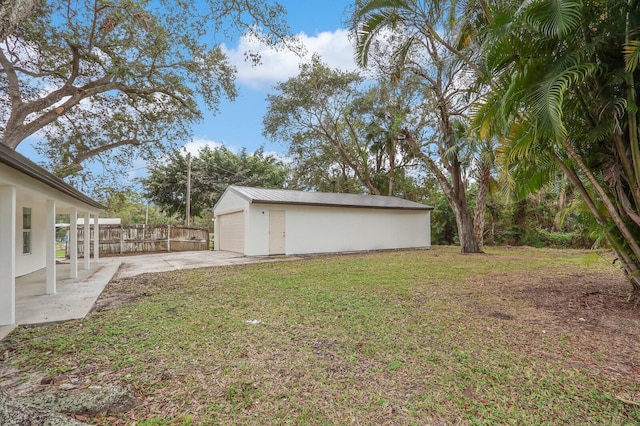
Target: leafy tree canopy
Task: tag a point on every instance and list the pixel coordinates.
(132, 209)
(122, 77)
(432, 42)
(212, 171)
(568, 102)
(343, 136)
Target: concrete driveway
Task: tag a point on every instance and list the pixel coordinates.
(75, 298)
(162, 262)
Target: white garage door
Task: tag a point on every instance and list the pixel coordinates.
(231, 232)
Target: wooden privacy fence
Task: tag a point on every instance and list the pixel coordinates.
(122, 239)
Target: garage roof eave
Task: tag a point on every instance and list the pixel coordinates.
(357, 206)
(323, 199)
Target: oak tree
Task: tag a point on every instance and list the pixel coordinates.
(114, 80)
(343, 133)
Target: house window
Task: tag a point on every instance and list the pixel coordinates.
(26, 230)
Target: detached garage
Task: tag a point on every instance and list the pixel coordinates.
(262, 222)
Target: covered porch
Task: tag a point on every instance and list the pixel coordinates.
(30, 199)
(73, 299)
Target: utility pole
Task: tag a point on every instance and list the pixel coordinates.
(188, 221)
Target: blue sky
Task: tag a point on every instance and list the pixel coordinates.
(238, 124)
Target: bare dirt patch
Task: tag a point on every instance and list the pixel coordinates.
(590, 311)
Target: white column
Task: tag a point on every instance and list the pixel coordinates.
(87, 242)
(50, 241)
(96, 239)
(7, 255)
(73, 243)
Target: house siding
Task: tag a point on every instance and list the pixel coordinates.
(27, 263)
(25, 184)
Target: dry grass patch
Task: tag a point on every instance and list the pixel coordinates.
(520, 336)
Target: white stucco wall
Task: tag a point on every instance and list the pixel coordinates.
(312, 229)
(257, 230)
(27, 263)
(33, 193)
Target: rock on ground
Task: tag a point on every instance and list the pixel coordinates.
(92, 401)
(17, 413)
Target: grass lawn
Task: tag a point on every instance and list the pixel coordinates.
(515, 336)
(61, 250)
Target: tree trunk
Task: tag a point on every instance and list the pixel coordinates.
(615, 215)
(630, 266)
(458, 201)
(13, 12)
(468, 243)
(455, 192)
(481, 204)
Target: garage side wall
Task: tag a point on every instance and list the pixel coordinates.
(312, 229)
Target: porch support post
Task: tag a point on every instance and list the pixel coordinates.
(50, 241)
(87, 242)
(73, 243)
(7, 255)
(96, 242)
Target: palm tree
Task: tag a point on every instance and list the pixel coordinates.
(563, 75)
(428, 44)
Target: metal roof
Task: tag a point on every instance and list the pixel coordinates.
(22, 164)
(285, 196)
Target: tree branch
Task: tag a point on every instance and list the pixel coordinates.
(12, 80)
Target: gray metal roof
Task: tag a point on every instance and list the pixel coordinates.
(284, 196)
(22, 164)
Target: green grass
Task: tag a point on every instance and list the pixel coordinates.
(61, 250)
(413, 337)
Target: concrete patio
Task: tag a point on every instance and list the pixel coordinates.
(75, 298)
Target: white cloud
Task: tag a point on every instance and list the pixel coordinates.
(197, 144)
(279, 64)
(279, 156)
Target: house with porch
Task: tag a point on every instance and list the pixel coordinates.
(30, 198)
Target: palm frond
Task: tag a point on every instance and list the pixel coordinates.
(548, 98)
(369, 20)
(631, 55)
(365, 7)
(488, 116)
(554, 18)
(518, 144)
(401, 53)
